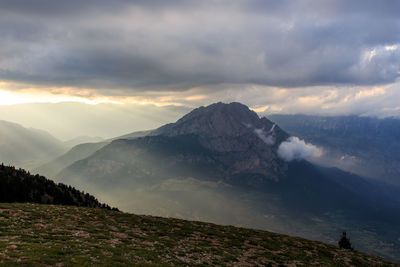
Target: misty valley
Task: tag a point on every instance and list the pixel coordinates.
(224, 164)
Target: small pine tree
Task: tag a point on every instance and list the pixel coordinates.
(344, 242)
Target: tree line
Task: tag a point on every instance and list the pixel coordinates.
(18, 185)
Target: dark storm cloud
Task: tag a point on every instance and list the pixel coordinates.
(176, 45)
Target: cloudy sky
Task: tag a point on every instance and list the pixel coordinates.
(327, 57)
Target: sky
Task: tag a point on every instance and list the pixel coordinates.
(325, 57)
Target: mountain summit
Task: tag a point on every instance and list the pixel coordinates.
(219, 121)
(243, 141)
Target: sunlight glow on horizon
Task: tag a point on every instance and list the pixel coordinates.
(8, 98)
(14, 94)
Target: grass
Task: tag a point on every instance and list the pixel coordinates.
(43, 235)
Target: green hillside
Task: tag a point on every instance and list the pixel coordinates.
(41, 235)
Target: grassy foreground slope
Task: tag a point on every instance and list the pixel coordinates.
(34, 235)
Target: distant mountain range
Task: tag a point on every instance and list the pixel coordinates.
(363, 145)
(221, 163)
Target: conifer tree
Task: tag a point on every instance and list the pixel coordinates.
(344, 242)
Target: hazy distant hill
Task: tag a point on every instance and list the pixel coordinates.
(364, 145)
(132, 135)
(220, 163)
(79, 152)
(25, 147)
(82, 140)
(58, 235)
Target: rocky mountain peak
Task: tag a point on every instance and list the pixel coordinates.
(246, 143)
(225, 120)
(233, 112)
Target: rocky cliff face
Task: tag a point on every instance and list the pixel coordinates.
(246, 142)
(230, 121)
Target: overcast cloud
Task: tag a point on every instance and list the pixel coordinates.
(176, 45)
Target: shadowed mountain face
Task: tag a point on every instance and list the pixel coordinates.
(27, 147)
(220, 163)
